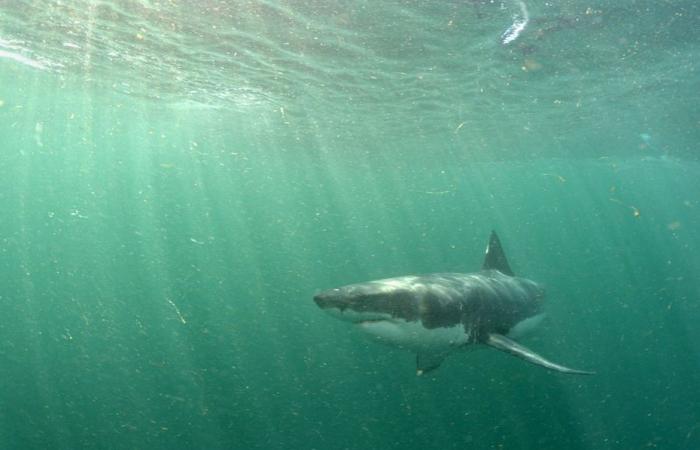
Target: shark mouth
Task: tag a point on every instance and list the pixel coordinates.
(354, 317)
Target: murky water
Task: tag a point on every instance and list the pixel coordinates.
(179, 178)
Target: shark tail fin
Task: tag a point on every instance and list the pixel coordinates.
(507, 345)
(495, 258)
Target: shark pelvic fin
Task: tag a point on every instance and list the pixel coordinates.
(495, 258)
(505, 344)
(426, 362)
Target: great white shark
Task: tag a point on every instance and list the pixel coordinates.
(437, 314)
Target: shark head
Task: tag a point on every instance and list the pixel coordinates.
(409, 312)
(374, 301)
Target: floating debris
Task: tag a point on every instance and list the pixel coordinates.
(38, 131)
(520, 21)
(177, 311)
(635, 211)
(558, 177)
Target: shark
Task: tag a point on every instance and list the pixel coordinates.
(435, 315)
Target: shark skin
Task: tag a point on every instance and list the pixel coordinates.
(437, 314)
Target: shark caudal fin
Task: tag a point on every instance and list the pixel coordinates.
(495, 258)
(505, 344)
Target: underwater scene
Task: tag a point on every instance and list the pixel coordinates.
(194, 192)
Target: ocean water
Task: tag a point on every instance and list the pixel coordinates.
(178, 178)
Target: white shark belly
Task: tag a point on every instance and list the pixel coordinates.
(526, 327)
(414, 336)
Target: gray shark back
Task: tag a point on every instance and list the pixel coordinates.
(482, 303)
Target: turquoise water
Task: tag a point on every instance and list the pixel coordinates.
(179, 179)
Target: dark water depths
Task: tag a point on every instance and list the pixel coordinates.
(179, 178)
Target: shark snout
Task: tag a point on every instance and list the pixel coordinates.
(330, 298)
(335, 303)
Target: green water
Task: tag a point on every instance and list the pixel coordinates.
(179, 178)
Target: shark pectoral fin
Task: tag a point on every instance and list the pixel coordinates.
(502, 343)
(425, 362)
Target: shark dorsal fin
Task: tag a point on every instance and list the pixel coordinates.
(495, 258)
